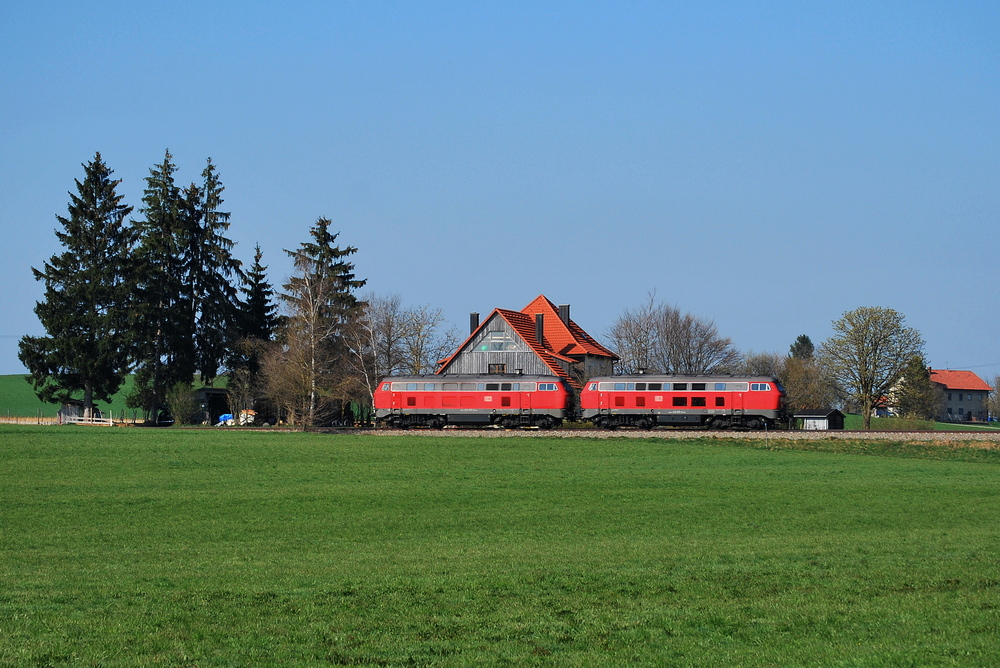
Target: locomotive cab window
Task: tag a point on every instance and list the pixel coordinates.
(760, 387)
(385, 387)
(593, 386)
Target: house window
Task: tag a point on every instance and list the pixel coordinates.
(496, 368)
(497, 342)
(949, 397)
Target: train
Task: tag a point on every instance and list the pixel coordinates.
(509, 401)
(641, 401)
(715, 401)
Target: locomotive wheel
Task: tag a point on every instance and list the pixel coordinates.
(718, 423)
(644, 423)
(755, 424)
(435, 423)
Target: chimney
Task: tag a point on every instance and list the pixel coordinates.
(564, 313)
(473, 322)
(539, 327)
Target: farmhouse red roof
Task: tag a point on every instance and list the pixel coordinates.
(959, 380)
(562, 338)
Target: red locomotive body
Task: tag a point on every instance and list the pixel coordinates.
(714, 401)
(467, 399)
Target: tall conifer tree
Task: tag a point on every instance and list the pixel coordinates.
(87, 289)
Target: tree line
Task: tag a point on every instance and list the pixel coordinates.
(162, 297)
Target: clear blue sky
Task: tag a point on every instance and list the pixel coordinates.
(769, 165)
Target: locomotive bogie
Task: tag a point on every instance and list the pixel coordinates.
(716, 402)
(507, 401)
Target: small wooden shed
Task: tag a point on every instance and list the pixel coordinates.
(820, 419)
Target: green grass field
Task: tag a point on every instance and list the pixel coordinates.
(125, 547)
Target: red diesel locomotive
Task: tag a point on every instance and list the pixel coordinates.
(714, 401)
(501, 400)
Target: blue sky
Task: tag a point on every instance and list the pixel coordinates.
(768, 165)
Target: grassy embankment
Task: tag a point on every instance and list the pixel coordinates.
(172, 547)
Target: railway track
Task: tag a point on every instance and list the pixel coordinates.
(671, 434)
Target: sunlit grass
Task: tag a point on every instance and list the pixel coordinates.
(148, 547)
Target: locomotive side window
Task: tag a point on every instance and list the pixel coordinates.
(640, 401)
(411, 387)
(640, 387)
(697, 386)
(449, 387)
(720, 401)
(680, 387)
(527, 387)
(492, 387)
(505, 401)
(411, 401)
(619, 401)
(737, 387)
(469, 387)
(428, 387)
(656, 387)
(697, 401)
(680, 401)
(619, 386)
(505, 387)
(720, 387)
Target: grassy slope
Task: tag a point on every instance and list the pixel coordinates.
(166, 547)
(19, 398)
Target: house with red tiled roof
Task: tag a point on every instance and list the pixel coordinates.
(965, 394)
(539, 339)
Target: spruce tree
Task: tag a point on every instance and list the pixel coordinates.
(209, 271)
(258, 314)
(87, 287)
(163, 350)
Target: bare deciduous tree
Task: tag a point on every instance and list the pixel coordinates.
(660, 339)
(390, 339)
(868, 353)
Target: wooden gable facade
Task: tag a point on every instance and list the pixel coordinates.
(539, 339)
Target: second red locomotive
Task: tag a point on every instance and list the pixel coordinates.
(714, 401)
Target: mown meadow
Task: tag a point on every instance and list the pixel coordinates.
(124, 547)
